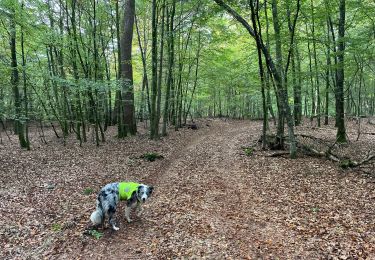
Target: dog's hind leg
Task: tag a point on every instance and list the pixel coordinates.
(111, 217)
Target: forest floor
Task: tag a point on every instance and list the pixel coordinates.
(211, 200)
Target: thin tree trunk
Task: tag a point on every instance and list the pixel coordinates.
(25, 96)
(160, 73)
(341, 131)
(154, 82)
(18, 123)
(196, 77)
(170, 68)
(257, 31)
(315, 65)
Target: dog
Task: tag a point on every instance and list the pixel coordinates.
(135, 194)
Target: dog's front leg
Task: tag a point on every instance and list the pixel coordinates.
(111, 220)
(127, 213)
(139, 209)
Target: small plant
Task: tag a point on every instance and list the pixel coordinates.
(56, 227)
(315, 209)
(88, 191)
(95, 234)
(248, 151)
(151, 156)
(345, 164)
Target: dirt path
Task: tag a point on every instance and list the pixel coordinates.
(211, 201)
(196, 194)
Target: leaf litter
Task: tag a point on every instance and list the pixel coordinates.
(211, 200)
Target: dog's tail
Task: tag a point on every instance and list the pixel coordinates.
(97, 216)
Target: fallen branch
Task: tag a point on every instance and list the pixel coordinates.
(310, 137)
(327, 154)
(367, 133)
(277, 154)
(370, 156)
(344, 162)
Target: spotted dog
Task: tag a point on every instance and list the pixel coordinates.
(133, 193)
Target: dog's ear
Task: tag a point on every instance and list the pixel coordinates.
(151, 188)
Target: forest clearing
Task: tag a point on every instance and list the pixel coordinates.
(211, 200)
(249, 126)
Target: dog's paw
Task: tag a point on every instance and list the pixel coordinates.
(139, 213)
(115, 228)
(129, 220)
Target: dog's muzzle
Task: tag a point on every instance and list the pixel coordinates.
(143, 199)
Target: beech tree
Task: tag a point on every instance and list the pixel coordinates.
(73, 65)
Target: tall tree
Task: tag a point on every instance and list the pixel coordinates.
(19, 126)
(277, 72)
(170, 46)
(126, 69)
(341, 131)
(154, 66)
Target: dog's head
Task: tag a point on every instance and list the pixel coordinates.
(144, 192)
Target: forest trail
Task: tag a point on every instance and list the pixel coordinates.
(197, 208)
(210, 201)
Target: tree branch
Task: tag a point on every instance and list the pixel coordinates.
(292, 37)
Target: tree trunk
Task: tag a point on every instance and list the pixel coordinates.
(154, 82)
(254, 17)
(315, 65)
(170, 68)
(279, 62)
(277, 75)
(341, 131)
(25, 99)
(160, 73)
(127, 95)
(18, 122)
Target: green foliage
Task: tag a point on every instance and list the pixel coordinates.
(151, 156)
(88, 191)
(228, 81)
(345, 164)
(96, 234)
(248, 151)
(56, 227)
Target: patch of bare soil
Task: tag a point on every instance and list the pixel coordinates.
(211, 200)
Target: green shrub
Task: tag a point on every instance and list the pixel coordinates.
(248, 151)
(345, 164)
(95, 234)
(151, 156)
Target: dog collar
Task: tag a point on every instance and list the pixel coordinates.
(126, 189)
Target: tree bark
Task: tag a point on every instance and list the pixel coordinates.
(341, 131)
(15, 79)
(127, 94)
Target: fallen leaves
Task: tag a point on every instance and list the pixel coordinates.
(210, 201)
